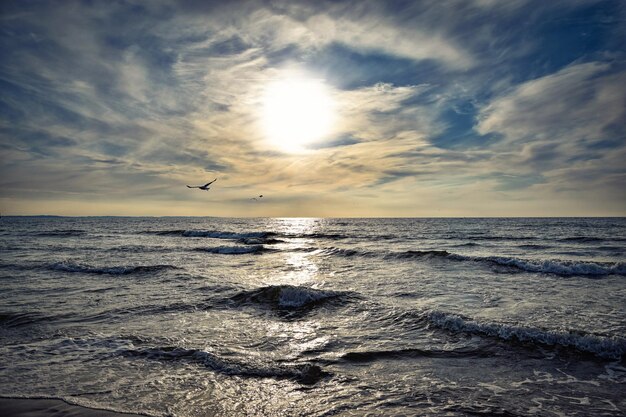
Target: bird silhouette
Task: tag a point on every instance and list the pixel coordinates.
(204, 187)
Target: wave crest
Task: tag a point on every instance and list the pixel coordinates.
(372, 355)
(287, 296)
(304, 373)
(233, 250)
(603, 347)
(224, 235)
(9, 319)
(66, 266)
(214, 234)
(332, 251)
(556, 267)
(563, 268)
(422, 254)
(259, 241)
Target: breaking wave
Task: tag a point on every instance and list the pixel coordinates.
(556, 267)
(304, 373)
(603, 347)
(288, 297)
(110, 270)
(332, 251)
(563, 268)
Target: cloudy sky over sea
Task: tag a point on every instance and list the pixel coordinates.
(326, 108)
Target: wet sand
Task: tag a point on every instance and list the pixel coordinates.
(10, 407)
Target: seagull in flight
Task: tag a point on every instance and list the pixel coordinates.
(204, 187)
(255, 199)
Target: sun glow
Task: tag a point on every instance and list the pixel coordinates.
(296, 113)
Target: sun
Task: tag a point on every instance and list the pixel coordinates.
(297, 112)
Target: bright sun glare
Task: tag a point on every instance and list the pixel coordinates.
(297, 112)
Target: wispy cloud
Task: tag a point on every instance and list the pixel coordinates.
(557, 122)
(437, 103)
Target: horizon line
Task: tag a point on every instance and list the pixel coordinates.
(319, 217)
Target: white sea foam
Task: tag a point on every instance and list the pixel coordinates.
(221, 328)
(604, 347)
(557, 267)
(295, 297)
(287, 296)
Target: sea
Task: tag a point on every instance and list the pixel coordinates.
(203, 316)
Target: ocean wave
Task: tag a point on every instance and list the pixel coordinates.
(420, 254)
(307, 373)
(343, 252)
(259, 241)
(234, 250)
(151, 310)
(467, 244)
(225, 235)
(556, 267)
(265, 237)
(176, 232)
(66, 266)
(563, 268)
(137, 249)
(582, 239)
(61, 233)
(317, 235)
(485, 237)
(9, 319)
(213, 234)
(288, 297)
(601, 346)
(534, 246)
(257, 235)
(336, 236)
(372, 355)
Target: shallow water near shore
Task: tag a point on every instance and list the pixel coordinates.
(316, 317)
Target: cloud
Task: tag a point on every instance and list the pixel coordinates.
(562, 127)
(561, 116)
(579, 101)
(378, 35)
(435, 100)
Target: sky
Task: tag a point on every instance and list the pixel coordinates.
(473, 108)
